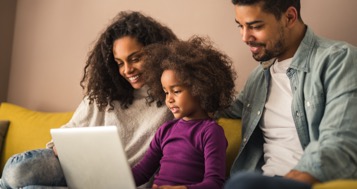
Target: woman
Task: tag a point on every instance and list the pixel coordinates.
(115, 94)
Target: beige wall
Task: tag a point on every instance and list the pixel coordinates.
(52, 39)
(7, 20)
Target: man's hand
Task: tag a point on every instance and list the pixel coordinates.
(168, 187)
(301, 176)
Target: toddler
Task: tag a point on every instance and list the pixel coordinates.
(196, 80)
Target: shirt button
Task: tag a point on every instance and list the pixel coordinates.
(248, 105)
(307, 104)
(245, 139)
(258, 113)
(298, 114)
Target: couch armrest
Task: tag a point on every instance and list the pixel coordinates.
(28, 129)
(233, 131)
(4, 124)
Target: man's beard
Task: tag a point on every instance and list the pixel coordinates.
(266, 56)
(269, 54)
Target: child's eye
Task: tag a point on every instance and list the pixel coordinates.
(177, 92)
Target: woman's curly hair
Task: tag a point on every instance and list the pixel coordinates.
(101, 79)
(197, 64)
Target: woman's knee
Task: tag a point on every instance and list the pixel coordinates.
(30, 167)
(30, 159)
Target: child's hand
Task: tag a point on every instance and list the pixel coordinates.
(168, 187)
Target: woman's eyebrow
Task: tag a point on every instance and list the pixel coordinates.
(135, 53)
(130, 55)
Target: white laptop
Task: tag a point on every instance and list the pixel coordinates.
(93, 157)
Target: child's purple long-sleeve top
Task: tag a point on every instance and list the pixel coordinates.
(190, 153)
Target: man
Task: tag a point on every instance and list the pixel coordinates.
(298, 108)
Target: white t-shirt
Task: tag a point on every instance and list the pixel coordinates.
(282, 148)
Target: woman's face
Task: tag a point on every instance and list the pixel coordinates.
(128, 56)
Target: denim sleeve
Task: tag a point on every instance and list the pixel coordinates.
(333, 155)
(234, 111)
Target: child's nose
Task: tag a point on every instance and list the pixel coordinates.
(169, 98)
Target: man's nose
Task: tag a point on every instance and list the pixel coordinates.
(246, 34)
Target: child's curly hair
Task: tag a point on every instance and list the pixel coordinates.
(197, 64)
(101, 79)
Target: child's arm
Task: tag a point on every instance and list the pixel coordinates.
(215, 145)
(146, 168)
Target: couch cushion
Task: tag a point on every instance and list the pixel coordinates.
(233, 131)
(28, 129)
(3, 129)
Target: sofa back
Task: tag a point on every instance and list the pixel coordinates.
(28, 129)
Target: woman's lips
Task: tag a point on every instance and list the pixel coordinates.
(134, 78)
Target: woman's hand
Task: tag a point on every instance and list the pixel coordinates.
(168, 187)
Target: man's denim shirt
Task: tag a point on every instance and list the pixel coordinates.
(323, 79)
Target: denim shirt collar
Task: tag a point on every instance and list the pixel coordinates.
(300, 59)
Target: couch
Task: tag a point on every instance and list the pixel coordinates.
(22, 129)
(26, 129)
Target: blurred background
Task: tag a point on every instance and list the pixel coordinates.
(44, 44)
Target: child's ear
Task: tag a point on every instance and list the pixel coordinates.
(211, 114)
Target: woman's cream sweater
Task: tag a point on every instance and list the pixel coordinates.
(137, 124)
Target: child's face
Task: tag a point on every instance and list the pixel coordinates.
(179, 99)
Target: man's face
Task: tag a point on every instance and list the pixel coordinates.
(262, 32)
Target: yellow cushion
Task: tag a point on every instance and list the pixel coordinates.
(4, 124)
(337, 184)
(233, 131)
(28, 129)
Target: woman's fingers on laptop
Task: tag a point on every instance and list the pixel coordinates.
(55, 150)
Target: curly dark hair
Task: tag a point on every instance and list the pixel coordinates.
(198, 65)
(276, 7)
(101, 79)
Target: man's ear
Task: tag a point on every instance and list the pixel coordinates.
(291, 16)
